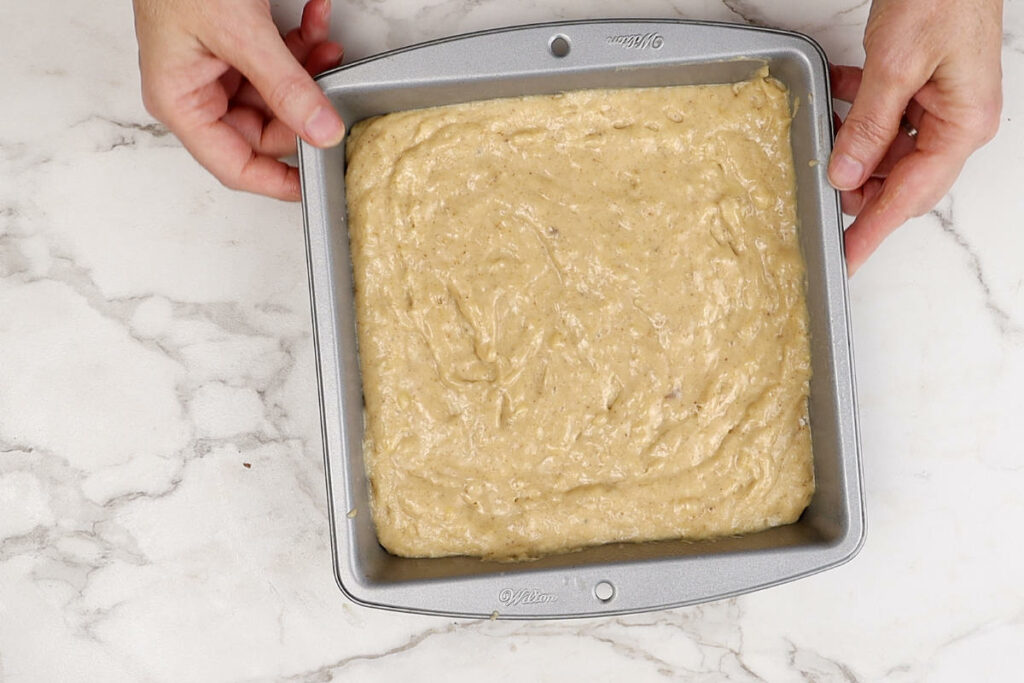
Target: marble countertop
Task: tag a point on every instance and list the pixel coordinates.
(162, 505)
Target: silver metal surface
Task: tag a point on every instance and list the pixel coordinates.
(616, 578)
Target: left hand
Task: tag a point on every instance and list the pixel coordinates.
(234, 91)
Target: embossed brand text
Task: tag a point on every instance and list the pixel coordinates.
(638, 41)
(524, 596)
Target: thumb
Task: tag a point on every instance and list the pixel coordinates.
(871, 125)
(285, 85)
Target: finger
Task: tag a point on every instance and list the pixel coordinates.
(845, 81)
(273, 137)
(905, 142)
(323, 57)
(853, 201)
(871, 125)
(309, 38)
(312, 29)
(248, 96)
(270, 138)
(915, 113)
(917, 182)
(226, 154)
(903, 145)
(259, 53)
(232, 81)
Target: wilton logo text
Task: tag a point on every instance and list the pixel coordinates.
(524, 596)
(638, 41)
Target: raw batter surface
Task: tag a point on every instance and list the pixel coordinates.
(581, 319)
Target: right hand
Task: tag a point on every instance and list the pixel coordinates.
(236, 93)
(937, 63)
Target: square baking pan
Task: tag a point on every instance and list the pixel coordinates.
(622, 577)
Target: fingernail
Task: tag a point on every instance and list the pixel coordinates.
(324, 127)
(844, 172)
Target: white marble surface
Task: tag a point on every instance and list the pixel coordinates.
(155, 338)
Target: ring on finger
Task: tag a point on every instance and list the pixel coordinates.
(908, 127)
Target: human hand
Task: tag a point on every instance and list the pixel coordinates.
(220, 76)
(939, 62)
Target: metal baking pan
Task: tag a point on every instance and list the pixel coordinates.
(617, 578)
